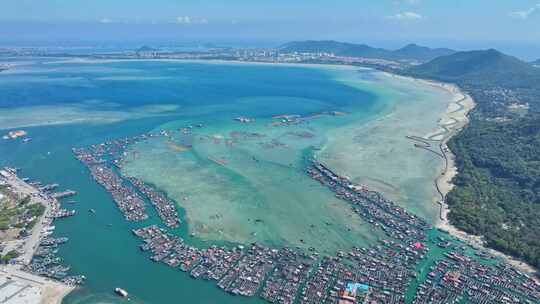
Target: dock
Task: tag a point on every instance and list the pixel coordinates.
(63, 194)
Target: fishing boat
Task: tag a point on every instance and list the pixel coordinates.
(121, 292)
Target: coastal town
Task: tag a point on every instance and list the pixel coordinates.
(255, 55)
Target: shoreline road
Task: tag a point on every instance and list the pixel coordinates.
(17, 185)
(17, 285)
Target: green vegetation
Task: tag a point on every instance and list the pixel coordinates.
(36, 210)
(19, 213)
(9, 256)
(6, 217)
(409, 52)
(497, 193)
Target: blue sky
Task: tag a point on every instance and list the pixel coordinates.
(462, 23)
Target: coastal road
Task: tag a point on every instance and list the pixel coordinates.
(24, 189)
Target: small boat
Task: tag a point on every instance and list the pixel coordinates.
(92, 211)
(121, 292)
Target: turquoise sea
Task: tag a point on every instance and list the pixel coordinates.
(356, 121)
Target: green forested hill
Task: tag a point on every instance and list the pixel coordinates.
(422, 53)
(497, 191)
(489, 67)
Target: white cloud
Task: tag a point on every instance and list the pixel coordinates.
(406, 2)
(105, 20)
(183, 19)
(190, 20)
(525, 13)
(406, 16)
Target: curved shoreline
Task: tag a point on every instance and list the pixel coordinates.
(452, 122)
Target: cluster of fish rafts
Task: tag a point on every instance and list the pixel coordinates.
(45, 262)
(453, 278)
(125, 197)
(457, 277)
(128, 193)
(395, 221)
(288, 275)
(165, 207)
(292, 275)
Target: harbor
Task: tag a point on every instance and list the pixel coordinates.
(33, 253)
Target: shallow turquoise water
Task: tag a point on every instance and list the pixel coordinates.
(96, 102)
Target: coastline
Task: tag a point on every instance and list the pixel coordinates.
(216, 62)
(48, 291)
(451, 123)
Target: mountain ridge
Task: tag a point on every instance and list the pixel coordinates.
(409, 52)
(478, 66)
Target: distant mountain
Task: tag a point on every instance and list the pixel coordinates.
(423, 53)
(146, 48)
(478, 67)
(410, 52)
(537, 62)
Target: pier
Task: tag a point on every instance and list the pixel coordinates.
(63, 194)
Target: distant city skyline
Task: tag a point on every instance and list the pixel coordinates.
(511, 26)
